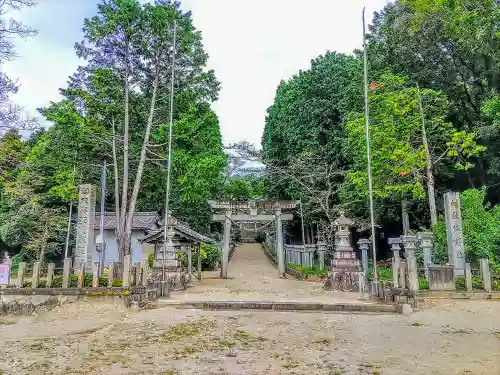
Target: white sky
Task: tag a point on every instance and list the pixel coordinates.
(253, 45)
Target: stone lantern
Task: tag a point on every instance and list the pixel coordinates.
(426, 243)
(345, 266)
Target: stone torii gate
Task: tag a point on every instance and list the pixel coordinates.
(263, 212)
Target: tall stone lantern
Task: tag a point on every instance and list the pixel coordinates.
(345, 266)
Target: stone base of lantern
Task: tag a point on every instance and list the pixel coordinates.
(175, 277)
(345, 271)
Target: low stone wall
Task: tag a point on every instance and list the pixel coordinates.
(28, 301)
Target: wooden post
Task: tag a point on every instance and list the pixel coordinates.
(81, 275)
(66, 272)
(199, 262)
(50, 274)
(35, 279)
(111, 274)
(95, 275)
(20, 274)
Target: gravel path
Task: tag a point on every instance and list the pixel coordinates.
(89, 338)
(253, 277)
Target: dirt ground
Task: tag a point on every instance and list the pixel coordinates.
(91, 338)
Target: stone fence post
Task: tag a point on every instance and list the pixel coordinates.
(67, 272)
(50, 274)
(409, 243)
(468, 277)
(395, 243)
(111, 273)
(35, 279)
(81, 274)
(426, 243)
(126, 271)
(364, 246)
(95, 274)
(484, 265)
(20, 274)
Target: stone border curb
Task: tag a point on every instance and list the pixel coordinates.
(284, 306)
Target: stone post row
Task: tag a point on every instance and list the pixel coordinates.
(484, 266)
(126, 271)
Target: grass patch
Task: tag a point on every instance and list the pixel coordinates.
(291, 364)
(497, 334)
(183, 330)
(6, 323)
(417, 324)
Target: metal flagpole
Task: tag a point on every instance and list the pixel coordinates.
(368, 156)
(101, 226)
(169, 163)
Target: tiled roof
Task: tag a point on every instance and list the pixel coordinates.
(141, 220)
(182, 229)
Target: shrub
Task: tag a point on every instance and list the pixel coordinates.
(423, 284)
(57, 281)
(260, 237)
(117, 283)
(460, 283)
(383, 273)
(210, 257)
(103, 281)
(308, 271)
(151, 259)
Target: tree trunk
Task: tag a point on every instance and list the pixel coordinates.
(44, 244)
(430, 175)
(405, 217)
(122, 215)
(142, 161)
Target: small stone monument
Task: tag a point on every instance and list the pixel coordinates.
(345, 266)
(454, 233)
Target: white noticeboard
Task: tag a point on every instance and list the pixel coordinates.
(4, 274)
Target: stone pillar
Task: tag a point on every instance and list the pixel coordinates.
(484, 266)
(468, 277)
(111, 274)
(66, 272)
(395, 243)
(364, 246)
(409, 243)
(279, 244)
(35, 279)
(362, 284)
(225, 244)
(126, 271)
(85, 226)
(190, 262)
(20, 274)
(454, 233)
(403, 267)
(426, 239)
(95, 275)
(50, 274)
(81, 275)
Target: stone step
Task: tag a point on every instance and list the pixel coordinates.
(363, 308)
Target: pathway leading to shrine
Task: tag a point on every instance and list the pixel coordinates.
(253, 278)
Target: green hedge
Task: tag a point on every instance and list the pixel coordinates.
(308, 271)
